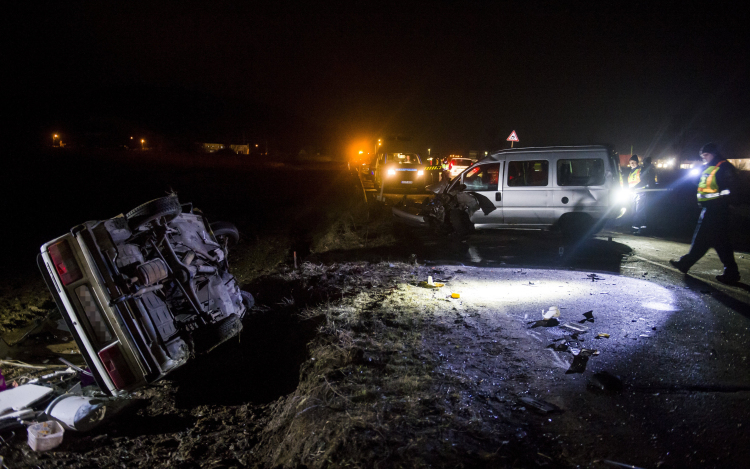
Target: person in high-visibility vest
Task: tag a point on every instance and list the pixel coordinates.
(717, 186)
(635, 172)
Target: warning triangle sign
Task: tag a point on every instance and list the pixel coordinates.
(513, 137)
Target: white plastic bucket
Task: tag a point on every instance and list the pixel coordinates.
(45, 435)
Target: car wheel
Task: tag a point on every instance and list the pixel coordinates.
(461, 222)
(212, 336)
(168, 207)
(247, 299)
(225, 231)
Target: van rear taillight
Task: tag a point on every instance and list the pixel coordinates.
(65, 262)
(116, 366)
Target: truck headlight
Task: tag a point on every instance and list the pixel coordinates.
(420, 173)
(391, 172)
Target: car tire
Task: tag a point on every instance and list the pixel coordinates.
(247, 299)
(168, 207)
(212, 336)
(461, 223)
(223, 230)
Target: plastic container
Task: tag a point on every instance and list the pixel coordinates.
(45, 436)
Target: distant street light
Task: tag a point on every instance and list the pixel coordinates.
(54, 137)
(142, 143)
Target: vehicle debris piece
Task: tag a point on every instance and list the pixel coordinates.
(605, 382)
(544, 323)
(22, 397)
(539, 406)
(594, 277)
(45, 435)
(575, 327)
(588, 316)
(553, 312)
(579, 363)
(602, 335)
(82, 413)
(455, 295)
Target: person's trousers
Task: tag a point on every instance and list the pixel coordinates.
(712, 231)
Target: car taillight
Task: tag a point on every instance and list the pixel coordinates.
(116, 366)
(450, 165)
(65, 262)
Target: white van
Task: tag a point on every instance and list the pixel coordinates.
(574, 188)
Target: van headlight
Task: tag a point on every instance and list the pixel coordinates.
(391, 172)
(420, 173)
(623, 196)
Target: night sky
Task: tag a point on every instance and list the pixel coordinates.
(664, 79)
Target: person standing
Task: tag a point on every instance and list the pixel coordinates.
(647, 180)
(717, 186)
(635, 172)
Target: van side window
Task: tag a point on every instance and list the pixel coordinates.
(528, 173)
(580, 172)
(482, 178)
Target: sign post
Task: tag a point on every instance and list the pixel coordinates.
(512, 138)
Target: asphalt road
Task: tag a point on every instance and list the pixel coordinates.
(678, 342)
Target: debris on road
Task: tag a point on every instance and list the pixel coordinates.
(588, 316)
(594, 277)
(45, 436)
(539, 406)
(575, 327)
(551, 322)
(455, 295)
(602, 335)
(553, 312)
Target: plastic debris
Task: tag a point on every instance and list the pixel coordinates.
(427, 284)
(579, 364)
(455, 295)
(541, 407)
(594, 277)
(575, 327)
(22, 397)
(602, 335)
(605, 382)
(553, 312)
(589, 315)
(45, 435)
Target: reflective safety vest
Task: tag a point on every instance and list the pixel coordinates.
(635, 177)
(707, 187)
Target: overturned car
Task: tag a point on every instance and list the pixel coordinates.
(143, 292)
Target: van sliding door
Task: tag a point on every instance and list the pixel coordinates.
(527, 191)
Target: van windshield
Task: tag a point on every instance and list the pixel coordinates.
(580, 172)
(404, 158)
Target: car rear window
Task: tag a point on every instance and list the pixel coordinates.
(460, 162)
(528, 173)
(580, 172)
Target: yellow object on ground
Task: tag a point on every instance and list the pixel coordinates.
(455, 295)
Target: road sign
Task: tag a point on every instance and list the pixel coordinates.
(513, 137)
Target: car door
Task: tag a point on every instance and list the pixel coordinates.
(484, 179)
(527, 192)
